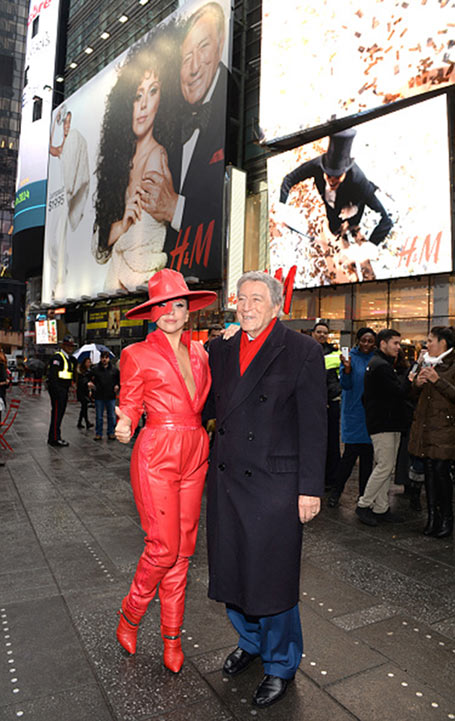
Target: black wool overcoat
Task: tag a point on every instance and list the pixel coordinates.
(270, 446)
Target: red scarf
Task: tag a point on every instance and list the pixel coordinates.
(249, 348)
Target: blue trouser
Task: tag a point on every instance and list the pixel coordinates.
(110, 409)
(277, 639)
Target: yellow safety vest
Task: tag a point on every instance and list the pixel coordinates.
(332, 360)
(66, 373)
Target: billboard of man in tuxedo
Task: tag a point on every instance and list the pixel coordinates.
(188, 195)
(343, 187)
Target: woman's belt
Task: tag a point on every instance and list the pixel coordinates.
(174, 421)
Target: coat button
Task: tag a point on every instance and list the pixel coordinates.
(250, 436)
(248, 473)
(262, 398)
(222, 466)
(221, 431)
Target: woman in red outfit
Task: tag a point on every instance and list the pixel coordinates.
(169, 377)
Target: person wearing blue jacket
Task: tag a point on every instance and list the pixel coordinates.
(354, 434)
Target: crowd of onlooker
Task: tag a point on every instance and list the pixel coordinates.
(397, 418)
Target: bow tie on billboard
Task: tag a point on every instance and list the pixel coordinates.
(197, 117)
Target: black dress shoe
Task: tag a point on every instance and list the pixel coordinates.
(238, 661)
(60, 444)
(270, 690)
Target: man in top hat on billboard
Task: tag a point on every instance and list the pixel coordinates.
(190, 196)
(343, 187)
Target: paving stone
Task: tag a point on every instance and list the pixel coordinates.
(351, 621)
(45, 651)
(423, 602)
(388, 693)
(330, 653)
(423, 653)
(329, 596)
(86, 704)
(303, 699)
(120, 538)
(77, 564)
(20, 585)
(446, 627)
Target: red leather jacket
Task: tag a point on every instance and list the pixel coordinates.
(151, 380)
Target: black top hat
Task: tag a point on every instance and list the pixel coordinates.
(337, 160)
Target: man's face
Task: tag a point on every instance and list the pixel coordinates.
(105, 360)
(255, 309)
(334, 181)
(68, 347)
(391, 347)
(321, 334)
(213, 333)
(67, 124)
(201, 54)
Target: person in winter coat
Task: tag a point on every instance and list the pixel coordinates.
(384, 400)
(265, 480)
(320, 333)
(354, 434)
(83, 391)
(433, 430)
(105, 384)
(169, 376)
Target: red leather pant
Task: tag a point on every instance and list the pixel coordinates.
(168, 469)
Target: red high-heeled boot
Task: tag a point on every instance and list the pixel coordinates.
(173, 655)
(127, 628)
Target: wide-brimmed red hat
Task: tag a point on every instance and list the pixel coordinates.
(166, 285)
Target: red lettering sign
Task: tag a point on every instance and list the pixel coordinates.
(410, 251)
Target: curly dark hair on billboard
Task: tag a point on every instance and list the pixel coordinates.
(158, 54)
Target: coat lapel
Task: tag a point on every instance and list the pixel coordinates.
(239, 387)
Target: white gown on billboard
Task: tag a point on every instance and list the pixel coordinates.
(76, 181)
(137, 254)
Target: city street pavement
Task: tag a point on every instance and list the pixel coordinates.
(378, 604)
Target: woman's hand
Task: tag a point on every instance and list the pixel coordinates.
(230, 331)
(132, 213)
(309, 507)
(346, 364)
(123, 427)
(429, 374)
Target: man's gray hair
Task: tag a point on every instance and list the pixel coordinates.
(211, 8)
(274, 285)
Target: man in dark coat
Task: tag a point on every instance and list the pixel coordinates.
(190, 196)
(105, 383)
(343, 187)
(60, 375)
(384, 399)
(265, 479)
(332, 362)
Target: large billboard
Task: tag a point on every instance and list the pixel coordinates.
(42, 26)
(322, 60)
(136, 169)
(368, 203)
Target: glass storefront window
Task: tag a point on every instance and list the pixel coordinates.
(304, 304)
(409, 298)
(370, 302)
(335, 303)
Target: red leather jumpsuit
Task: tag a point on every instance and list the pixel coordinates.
(168, 467)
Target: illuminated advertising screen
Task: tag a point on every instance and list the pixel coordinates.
(45, 332)
(30, 202)
(322, 60)
(136, 183)
(368, 203)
